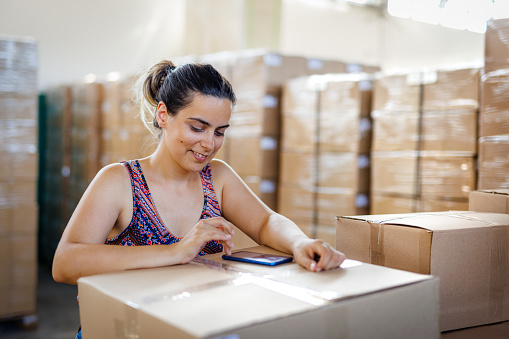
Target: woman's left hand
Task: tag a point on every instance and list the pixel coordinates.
(317, 255)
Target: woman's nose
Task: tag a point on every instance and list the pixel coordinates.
(208, 141)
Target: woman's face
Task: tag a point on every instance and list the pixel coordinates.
(196, 133)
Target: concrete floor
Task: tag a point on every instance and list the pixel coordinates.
(58, 312)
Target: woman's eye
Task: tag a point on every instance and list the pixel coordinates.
(196, 129)
(219, 134)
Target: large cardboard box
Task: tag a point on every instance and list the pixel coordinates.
(496, 45)
(442, 131)
(212, 298)
(468, 251)
(493, 162)
(494, 111)
(434, 176)
(494, 201)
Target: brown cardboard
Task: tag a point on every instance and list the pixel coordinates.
(396, 93)
(386, 204)
(493, 201)
(445, 177)
(473, 283)
(273, 302)
(315, 107)
(493, 162)
(494, 112)
(330, 169)
(496, 45)
(451, 89)
(254, 156)
(444, 131)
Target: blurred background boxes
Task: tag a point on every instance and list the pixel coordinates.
(18, 177)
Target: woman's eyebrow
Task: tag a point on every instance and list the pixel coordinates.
(206, 123)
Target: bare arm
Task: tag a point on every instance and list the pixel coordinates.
(241, 207)
(108, 202)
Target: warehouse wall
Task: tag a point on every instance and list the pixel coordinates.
(364, 35)
(96, 36)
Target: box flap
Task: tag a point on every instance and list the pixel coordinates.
(439, 221)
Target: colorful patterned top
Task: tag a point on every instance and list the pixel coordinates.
(147, 227)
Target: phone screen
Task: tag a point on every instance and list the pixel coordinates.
(258, 258)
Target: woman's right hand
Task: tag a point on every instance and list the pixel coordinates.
(206, 230)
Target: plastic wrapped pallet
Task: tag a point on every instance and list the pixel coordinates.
(424, 127)
(325, 145)
(252, 143)
(18, 177)
(123, 135)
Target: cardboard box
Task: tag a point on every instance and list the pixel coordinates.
(493, 162)
(494, 112)
(447, 89)
(496, 45)
(444, 177)
(468, 251)
(259, 302)
(396, 92)
(387, 204)
(493, 201)
(315, 107)
(443, 131)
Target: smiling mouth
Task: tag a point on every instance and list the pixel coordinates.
(199, 155)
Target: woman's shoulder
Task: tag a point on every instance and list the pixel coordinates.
(220, 168)
(113, 175)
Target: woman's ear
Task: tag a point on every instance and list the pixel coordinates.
(161, 114)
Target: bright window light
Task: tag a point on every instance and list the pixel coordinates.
(459, 14)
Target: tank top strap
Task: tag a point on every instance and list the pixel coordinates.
(211, 206)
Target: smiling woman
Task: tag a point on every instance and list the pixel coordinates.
(180, 200)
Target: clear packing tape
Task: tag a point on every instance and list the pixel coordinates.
(242, 277)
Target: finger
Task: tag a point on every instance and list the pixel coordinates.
(227, 247)
(221, 223)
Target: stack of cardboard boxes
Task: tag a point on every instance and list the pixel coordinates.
(123, 135)
(252, 147)
(424, 140)
(18, 178)
(85, 139)
(324, 155)
(494, 111)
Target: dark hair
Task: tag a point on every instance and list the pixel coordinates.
(177, 86)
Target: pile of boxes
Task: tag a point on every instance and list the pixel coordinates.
(494, 111)
(324, 156)
(253, 141)
(424, 140)
(18, 178)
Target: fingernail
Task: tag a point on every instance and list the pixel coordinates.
(312, 266)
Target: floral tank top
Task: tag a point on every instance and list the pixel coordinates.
(147, 227)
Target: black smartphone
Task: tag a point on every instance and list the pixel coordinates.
(258, 258)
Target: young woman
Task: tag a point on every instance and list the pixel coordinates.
(179, 200)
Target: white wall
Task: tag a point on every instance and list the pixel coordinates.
(101, 36)
(94, 36)
(353, 34)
